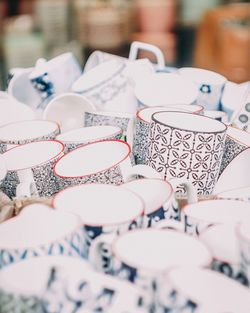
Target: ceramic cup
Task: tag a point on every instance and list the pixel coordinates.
(197, 217)
(103, 209)
(64, 282)
(186, 145)
(234, 175)
(237, 141)
(164, 89)
(19, 133)
(159, 199)
(196, 290)
(30, 169)
(243, 238)
(141, 256)
(101, 162)
(142, 127)
(217, 115)
(110, 85)
(242, 194)
(222, 241)
(241, 116)
(56, 75)
(40, 231)
(3, 169)
(123, 120)
(67, 110)
(14, 111)
(209, 84)
(81, 136)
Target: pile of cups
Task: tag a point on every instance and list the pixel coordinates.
(113, 148)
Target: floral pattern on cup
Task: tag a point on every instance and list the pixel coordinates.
(196, 157)
(71, 245)
(43, 85)
(11, 303)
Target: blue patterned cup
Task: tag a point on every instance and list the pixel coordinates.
(40, 231)
(103, 209)
(30, 169)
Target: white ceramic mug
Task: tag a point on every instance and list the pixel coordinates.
(67, 110)
(103, 209)
(209, 84)
(40, 231)
(142, 127)
(22, 132)
(186, 145)
(30, 169)
(84, 135)
(101, 162)
(159, 198)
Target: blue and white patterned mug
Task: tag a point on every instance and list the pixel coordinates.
(103, 209)
(30, 169)
(40, 231)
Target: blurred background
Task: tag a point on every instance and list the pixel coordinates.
(212, 34)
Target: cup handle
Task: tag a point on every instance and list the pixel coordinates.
(137, 45)
(142, 170)
(191, 191)
(170, 224)
(95, 250)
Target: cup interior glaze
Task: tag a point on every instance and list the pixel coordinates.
(203, 76)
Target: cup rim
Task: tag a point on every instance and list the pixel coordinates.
(83, 146)
(34, 142)
(4, 141)
(141, 214)
(236, 139)
(114, 114)
(154, 119)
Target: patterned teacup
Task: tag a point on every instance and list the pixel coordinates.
(40, 231)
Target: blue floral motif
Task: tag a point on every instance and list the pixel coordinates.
(43, 85)
(205, 88)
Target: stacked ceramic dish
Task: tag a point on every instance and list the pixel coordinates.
(115, 150)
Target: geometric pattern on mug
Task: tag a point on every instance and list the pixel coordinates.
(230, 270)
(71, 245)
(185, 154)
(111, 176)
(140, 141)
(243, 117)
(231, 150)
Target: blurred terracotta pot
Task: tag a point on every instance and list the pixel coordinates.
(156, 15)
(165, 41)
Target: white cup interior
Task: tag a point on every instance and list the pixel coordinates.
(154, 192)
(189, 122)
(202, 76)
(86, 134)
(244, 230)
(35, 226)
(92, 158)
(218, 211)
(25, 130)
(32, 154)
(100, 205)
(157, 250)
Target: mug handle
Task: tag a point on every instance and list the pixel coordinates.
(142, 170)
(191, 191)
(137, 45)
(27, 186)
(96, 249)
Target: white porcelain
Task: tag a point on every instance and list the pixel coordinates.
(164, 89)
(40, 231)
(3, 169)
(232, 98)
(186, 145)
(110, 85)
(102, 209)
(30, 169)
(241, 117)
(159, 198)
(56, 75)
(237, 194)
(84, 135)
(202, 290)
(22, 90)
(22, 132)
(55, 280)
(13, 111)
(217, 115)
(68, 110)
(101, 162)
(142, 127)
(209, 84)
(243, 238)
(235, 174)
(222, 241)
(237, 141)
